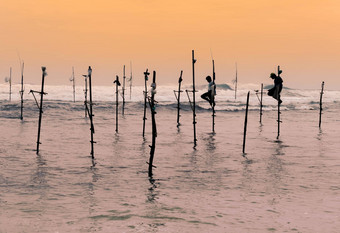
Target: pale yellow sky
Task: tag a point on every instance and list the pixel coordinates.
(302, 36)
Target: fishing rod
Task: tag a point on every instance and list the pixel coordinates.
(146, 74)
(42, 93)
(117, 84)
(178, 97)
(193, 102)
(321, 94)
(153, 120)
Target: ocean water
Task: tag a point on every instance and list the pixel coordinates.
(286, 185)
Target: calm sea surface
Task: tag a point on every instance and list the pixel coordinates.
(286, 185)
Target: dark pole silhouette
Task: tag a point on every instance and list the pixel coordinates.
(130, 80)
(9, 80)
(42, 93)
(85, 94)
(321, 94)
(261, 103)
(91, 112)
(22, 93)
(278, 106)
(178, 98)
(88, 106)
(10, 84)
(236, 81)
(193, 102)
(72, 79)
(153, 120)
(213, 93)
(123, 91)
(245, 125)
(193, 96)
(117, 84)
(146, 74)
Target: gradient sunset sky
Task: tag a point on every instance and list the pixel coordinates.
(302, 36)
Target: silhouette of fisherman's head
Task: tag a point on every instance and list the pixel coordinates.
(273, 75)
(208, 78)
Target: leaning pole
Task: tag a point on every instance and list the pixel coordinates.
(40, 106)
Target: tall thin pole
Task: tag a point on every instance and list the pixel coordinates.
(245, 125)
(85, 94)
(22, 92)
(91, 112)
(193, 94)
(146, 74)
(42, 93)
(321, 94)
(236, 81)
(130, 79)
(74, 85)
(261, 105)
(10, 83)
(278, 107)
(117, 104)
(124, 77)
(213, 92)
(153, 120)
(178, 98)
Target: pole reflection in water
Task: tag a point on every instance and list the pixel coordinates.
(91, 198)
(40, 186)
(153, 193)
(276, 172)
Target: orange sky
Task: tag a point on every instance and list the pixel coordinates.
(303, 36)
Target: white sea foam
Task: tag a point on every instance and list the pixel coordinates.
(225, 98)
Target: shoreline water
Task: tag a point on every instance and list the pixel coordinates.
(287, 185)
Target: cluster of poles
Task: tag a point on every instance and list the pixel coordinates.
(149, 100)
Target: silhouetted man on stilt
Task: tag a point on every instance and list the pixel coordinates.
(209, 95)
(276, 90)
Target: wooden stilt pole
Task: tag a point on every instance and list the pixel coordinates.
(146, 74)
(245, 125)
(130, 80)
(278, 120)
(153, 119)
(42, 93)
(193, 102)
(74, 86)
(90, 112)
(321, 94)
(278, 107)
(85, 94)
(72, 79)
(236, 81)
(22, 93)
(117, 84)
(261, 105)
(178, 98)
(123, 91)
(213, 93)
(10, 84)
(193, 94)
